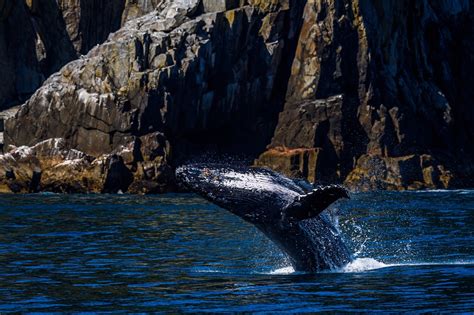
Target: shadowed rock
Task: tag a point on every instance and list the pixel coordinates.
(373, 94)
(38, 37)
(377, 85)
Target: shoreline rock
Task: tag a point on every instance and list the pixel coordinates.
(51, 166)
(372, 95)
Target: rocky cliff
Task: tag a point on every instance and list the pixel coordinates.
(379, 96)
(38, 37)
(374, 94)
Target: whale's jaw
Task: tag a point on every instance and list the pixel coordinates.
(286, 212)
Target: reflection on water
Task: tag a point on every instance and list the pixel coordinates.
(413, 251)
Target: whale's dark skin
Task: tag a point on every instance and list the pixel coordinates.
(287, 212)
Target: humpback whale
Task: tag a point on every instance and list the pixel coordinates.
(285, 210)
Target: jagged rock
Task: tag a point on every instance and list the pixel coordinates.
(38, 37)
(51, 166)
(127, 93)
(403, 94)
(229, 63)
(373, 94)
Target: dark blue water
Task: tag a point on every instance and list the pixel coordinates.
(174, 253)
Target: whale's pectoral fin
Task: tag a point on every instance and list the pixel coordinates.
(313, 203)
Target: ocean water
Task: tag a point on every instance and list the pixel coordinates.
(413, 251)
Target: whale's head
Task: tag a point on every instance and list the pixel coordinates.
(226, 180)
(197, 178)
(241, 190)
(223, 183)
(216, 182)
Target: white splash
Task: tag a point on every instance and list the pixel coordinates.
(357, 265)
(283, 271)
(367, 264)
(363, 264)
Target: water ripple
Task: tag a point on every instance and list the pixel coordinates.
(413, 251)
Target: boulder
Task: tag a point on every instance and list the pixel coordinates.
(52, 166)
(294, 163)
(373, 172)
(220, 5)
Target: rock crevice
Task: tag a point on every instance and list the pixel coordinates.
(38, 37)
(396, 65)
(373, 94)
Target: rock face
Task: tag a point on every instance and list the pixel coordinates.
(197, 78)
(51, 166)
(38, 37)
(378, 89)
(373, 94)
(210, 77)
(20, 69)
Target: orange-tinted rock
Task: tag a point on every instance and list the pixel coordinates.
(294, 163)
(374, 93)
(395, 67)
(398, 173)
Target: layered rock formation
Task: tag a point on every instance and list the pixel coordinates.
(200, 79)
(51, 165)
(374, 94)
(380, 90)
(38, 37)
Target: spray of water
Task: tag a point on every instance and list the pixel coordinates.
(357, 239)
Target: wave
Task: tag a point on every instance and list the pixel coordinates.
(367, 264)
(459, 191)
